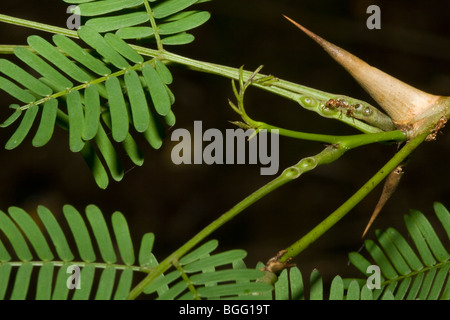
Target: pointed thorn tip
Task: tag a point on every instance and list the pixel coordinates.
(311, 34)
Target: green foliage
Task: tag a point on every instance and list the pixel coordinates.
(291, 286)
(126, 92)
(109, 265)
(104, 92)
(106, 88)
(407, 273)
(130, 18)
(108, 262)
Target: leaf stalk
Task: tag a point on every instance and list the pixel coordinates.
(303, 243)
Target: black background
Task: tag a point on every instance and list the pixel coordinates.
(175, 202)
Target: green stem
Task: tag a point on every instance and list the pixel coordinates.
(339, 213)
(186, 279)
(415, 273)
(38, 26)
(328, 155)
(9, 49)
(358, 140)
(282, 88)
(229, 72)
(348, 142)
(84, 85)
(154, 26)
(166, 263)
(97, 265)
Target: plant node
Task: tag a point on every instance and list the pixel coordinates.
(274, 265)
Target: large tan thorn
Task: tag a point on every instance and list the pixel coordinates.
(402, 102)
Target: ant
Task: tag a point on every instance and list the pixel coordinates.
(338, 103)
(441, 124)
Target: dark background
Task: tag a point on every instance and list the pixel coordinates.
(175, 202)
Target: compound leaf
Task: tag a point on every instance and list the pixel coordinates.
(423, 272)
